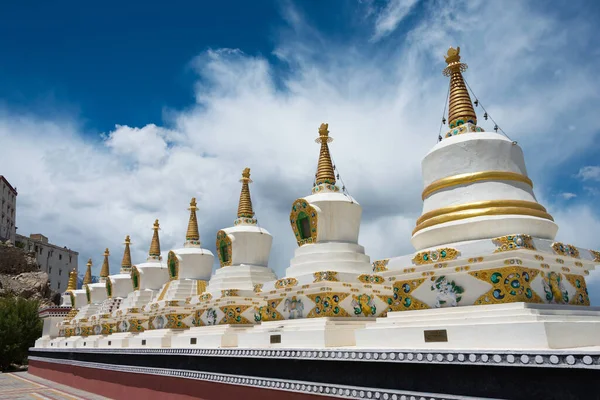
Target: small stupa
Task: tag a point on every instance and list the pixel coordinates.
(189, 270)
(233, 291)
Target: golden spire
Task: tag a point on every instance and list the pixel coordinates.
(460, 108)
(105, 271)
(155, 245)
(72, 285)
(126, 263)
(245, 206)
(87, 279)
(325, 172)
(192, 230)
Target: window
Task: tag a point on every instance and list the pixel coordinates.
(69, 258)
(59, 272)
(303, 226)
(60, 256)
(49, 270)
(59, 284)
(224, 252)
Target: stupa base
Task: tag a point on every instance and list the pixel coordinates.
(89, 342)
(155, 338)
(211, 337)
(116, 340)
(498, 326)
(303, 333)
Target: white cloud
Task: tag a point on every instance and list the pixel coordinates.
(590, 172)
(567, 195)
(383, 107)
(391, 16)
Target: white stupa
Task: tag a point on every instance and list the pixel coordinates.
(189, 269)
(227, 306)
(243, 250)
(329, 268)
(486, 253)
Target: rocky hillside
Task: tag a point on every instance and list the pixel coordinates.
(20, 276)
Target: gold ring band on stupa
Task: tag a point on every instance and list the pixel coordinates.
(473, 177)
(480, 209)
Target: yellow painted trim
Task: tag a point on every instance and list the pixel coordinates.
(164, 291)
(473, 177)
(478, 205)
(455, 216)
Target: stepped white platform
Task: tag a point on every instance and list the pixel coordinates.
(498, 326)
(303, 333)
(241, 277)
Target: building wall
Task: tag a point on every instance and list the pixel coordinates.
(8, 210)
(54, 260)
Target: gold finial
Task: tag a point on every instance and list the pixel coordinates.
(105, 270)
(325, 172)
(155, 245)
(126, 263)
(72, 285)
(460, 108)
(192, 230)
(245, 205)
(87, 279)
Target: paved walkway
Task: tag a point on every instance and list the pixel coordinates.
(23, 386)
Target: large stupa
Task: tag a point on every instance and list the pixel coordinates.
(489, 294)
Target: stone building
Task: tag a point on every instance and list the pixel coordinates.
(8, 199)
(55, 260)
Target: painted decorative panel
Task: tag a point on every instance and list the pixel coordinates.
(510, 284)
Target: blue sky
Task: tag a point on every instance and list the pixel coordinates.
(124, 111)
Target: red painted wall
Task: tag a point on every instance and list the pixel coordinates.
(122, 385)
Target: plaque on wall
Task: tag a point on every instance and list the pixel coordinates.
(275, 339)
(439, 335)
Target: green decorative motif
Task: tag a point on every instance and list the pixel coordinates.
(447, 292)
(136, 325)
(88, 295)
(364, 304)
(433, 256)
(402, 299)
(373, 279)
(581, 296)
(268, 312)
(173, 264)
(328, 304)
(303, 219)
(135, 278)
(224, 248)
(175, 321)
(233, 315)
(108, 288)
(513, 242)
(509, 285)
(554, 288)
(380, 265)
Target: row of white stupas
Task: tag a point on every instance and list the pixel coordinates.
(487, 272)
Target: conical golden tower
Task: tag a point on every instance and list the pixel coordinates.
(192, 233)
(460, 107)
(325, 173)
(105, 270)
(72, 285)
(154, 252)
(245, 205)
(126, 263)
(87, 279)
